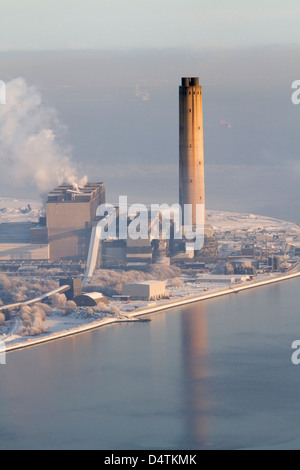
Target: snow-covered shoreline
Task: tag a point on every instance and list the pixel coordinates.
(154, 308)
(231, 227)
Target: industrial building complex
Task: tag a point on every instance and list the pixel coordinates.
(65, 235)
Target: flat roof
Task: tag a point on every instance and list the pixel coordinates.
(16, 232)
(148, 283)
(71, 193)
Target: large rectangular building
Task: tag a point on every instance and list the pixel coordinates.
(69, 214)
(145, 290)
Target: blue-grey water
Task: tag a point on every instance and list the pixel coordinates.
(212, 375)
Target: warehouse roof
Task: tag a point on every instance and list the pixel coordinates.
(148, 283)
(90, 299)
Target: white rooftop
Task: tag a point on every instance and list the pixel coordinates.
(150, 282)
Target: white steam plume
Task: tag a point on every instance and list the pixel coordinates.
(31, 153)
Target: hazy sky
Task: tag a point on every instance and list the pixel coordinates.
(78, 24)
(110, 71)
(120, 110)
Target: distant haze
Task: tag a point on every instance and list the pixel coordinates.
(120, 110)
(107, 24)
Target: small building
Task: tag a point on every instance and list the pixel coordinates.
(75, 286)
(113, 253)
(222, 278)
(145, 290)
(238, 261)
(247, 249)
(218, 278)
(274, 262)
(139, 250)
(90, 299)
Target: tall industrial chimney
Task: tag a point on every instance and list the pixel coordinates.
(191, 154)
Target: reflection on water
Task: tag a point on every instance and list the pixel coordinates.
(196, 373)
(215, 374)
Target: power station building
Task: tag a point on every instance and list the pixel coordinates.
(65, 232)
(69, 215)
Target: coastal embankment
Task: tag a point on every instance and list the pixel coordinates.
(149, 309)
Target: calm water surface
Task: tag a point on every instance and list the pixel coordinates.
(212, 375)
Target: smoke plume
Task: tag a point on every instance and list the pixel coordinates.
(32, 151)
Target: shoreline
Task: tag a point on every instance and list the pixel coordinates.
(148, 310)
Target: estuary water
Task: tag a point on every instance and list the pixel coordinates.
(216, 374)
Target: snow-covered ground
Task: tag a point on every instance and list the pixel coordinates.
(20, 210)
(56, 323)
(59, 324)
(225, 220)
(16, 210)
